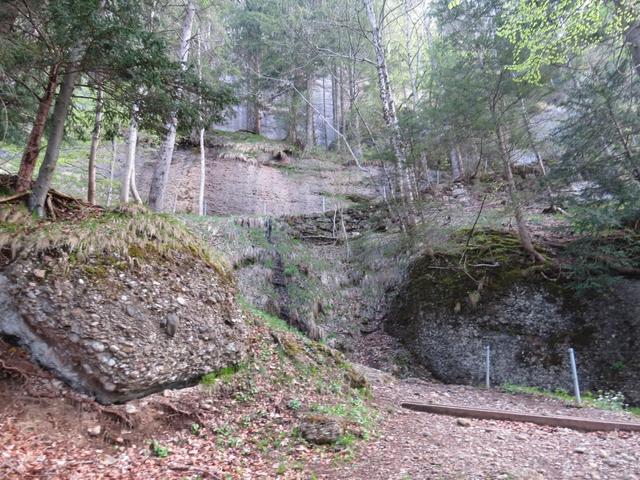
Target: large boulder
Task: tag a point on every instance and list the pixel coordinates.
(121, 327)
(447, 316)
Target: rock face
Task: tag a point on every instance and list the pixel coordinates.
(119, 329)
(447, 320)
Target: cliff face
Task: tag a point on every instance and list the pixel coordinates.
(447, 318)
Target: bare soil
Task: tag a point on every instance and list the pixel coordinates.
(413, 445)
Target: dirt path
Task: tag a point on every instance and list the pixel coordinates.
(413, 445)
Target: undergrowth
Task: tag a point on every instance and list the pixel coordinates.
(127, 232)
(603, 400)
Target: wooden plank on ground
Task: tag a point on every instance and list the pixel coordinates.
(575, 423)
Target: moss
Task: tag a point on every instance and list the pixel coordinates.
(464, 276)
(97, 271)
(126, 232)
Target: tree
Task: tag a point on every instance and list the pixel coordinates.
(532, 28)
(388, 106)
(161, 171)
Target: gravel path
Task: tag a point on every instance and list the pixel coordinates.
(413, 445)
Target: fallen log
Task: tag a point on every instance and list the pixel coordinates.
(574, 423)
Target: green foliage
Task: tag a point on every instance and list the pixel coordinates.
(294, 404)
(533, 29)
(272, 321)
(355, 410)
(225, 375)
(159, 450)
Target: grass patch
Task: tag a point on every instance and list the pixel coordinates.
(225, 374)
(355, 410)
(129, 232)
(273, 322)
(612, 401)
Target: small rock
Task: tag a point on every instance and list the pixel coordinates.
(321, 429)
(171, 324)
(464, 422)
(579, 450)
(94, 431)
(39, 273)
(130, 409)
(181, 301)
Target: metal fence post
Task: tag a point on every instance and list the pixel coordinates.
(574, 373)
(488, 367)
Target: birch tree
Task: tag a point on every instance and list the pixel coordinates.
(160, 178)
(388, 106)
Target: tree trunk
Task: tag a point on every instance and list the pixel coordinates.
(388, 106)
(411, 67)
(335, 96)
(95, 140)
(112, 166)
(355, 127)
(523, 230)
(342, 103)
(324, 112)
(129, 164)
(60, 111)
(32, 150)
(532, 143)
(309, 140)
(160, 178)
(134, 187)
(202, 174)
(457, 169)
(633, 39)
(292, 130)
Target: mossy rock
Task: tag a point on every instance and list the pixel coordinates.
(321, 429)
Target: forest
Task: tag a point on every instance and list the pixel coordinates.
(256, 229)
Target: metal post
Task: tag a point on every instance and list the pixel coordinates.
(574, 373)
(488, 368)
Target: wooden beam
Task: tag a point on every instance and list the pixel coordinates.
(575, 423)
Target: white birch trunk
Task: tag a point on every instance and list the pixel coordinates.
(309, 140)
(161, 172)
(129, 164)
(388, 106)
(112, 166)
(93, 151)
(202, 174)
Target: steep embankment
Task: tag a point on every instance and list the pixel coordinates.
(120, 304)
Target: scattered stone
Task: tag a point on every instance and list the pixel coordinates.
(580, 450)
(181, 301)
(321, 429)
(41, 274)
(464, 422)
(94, 431)
(171, 324)
(130, 409)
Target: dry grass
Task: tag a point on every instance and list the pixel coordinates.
(126, 232)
